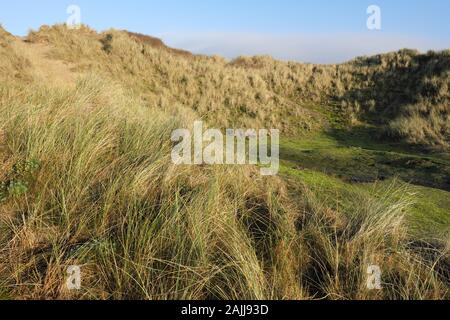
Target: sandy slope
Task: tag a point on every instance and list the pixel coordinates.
(45, 68)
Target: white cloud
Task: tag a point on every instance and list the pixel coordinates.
(317, 48)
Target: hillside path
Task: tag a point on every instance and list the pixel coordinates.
(44, 68)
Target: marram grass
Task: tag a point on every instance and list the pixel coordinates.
(87, 180)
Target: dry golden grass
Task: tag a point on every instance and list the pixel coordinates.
(87, 180)
(45, 70)
(262, 92)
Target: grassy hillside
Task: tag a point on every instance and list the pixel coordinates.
(86, 177)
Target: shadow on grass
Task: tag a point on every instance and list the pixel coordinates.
(360, 155)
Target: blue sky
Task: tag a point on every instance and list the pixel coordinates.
(304, 30)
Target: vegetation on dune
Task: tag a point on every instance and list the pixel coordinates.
(409, 92)
(221, 95)
(13, 66)
(86, 179)
(342, 157)
(157, 43)
(405, 92)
